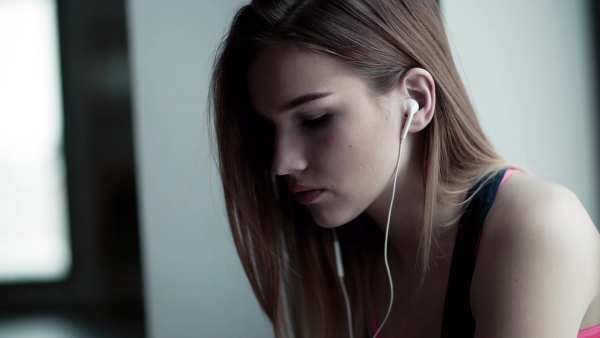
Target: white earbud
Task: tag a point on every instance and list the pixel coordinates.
(411, 108)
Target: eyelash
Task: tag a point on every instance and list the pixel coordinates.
(316, 122)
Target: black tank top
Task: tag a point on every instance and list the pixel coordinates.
(458, 321)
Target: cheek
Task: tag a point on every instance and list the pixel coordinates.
(357, 149)
(350, 156)
(332, 155)
(370, 161)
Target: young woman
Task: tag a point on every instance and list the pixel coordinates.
(439, 236)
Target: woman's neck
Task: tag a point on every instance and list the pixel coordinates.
(407, 212)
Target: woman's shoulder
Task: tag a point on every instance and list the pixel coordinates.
(539, 254)
(526, 205)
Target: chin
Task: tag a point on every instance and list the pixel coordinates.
(330, 220)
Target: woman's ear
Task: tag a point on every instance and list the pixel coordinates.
(418, 84)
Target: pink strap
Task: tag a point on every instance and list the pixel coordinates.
(509, 172)
(374, 325)
(590, 332)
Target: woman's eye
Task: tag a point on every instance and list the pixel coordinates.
(316, 122)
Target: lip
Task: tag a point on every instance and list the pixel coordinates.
(301, 188)
(308, 196)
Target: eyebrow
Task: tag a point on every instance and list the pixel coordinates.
(302, 100)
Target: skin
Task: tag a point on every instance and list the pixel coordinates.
(538, 243)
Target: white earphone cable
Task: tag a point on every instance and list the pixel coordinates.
(387, 232)
(413, 108)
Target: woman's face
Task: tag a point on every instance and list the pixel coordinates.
(336, 143)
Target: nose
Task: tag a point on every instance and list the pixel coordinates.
(288, 155)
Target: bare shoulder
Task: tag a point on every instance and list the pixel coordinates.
(538, 265)
(529, 206)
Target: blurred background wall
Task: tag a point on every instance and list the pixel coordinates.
(194, 281)
(530, 69)
(528, 66)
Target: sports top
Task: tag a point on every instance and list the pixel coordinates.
(457, 319)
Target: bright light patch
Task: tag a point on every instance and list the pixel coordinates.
(34, 244)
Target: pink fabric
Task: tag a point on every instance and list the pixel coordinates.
(375, 326)
(509, 172)
(590, 332)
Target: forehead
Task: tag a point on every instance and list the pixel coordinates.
(284, 71)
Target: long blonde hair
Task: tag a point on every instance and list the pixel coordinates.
(287, 258)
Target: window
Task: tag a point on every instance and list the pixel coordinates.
(34, 238)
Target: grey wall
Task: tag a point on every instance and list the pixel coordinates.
(534, 53)
(194, 283)
(528, 66)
